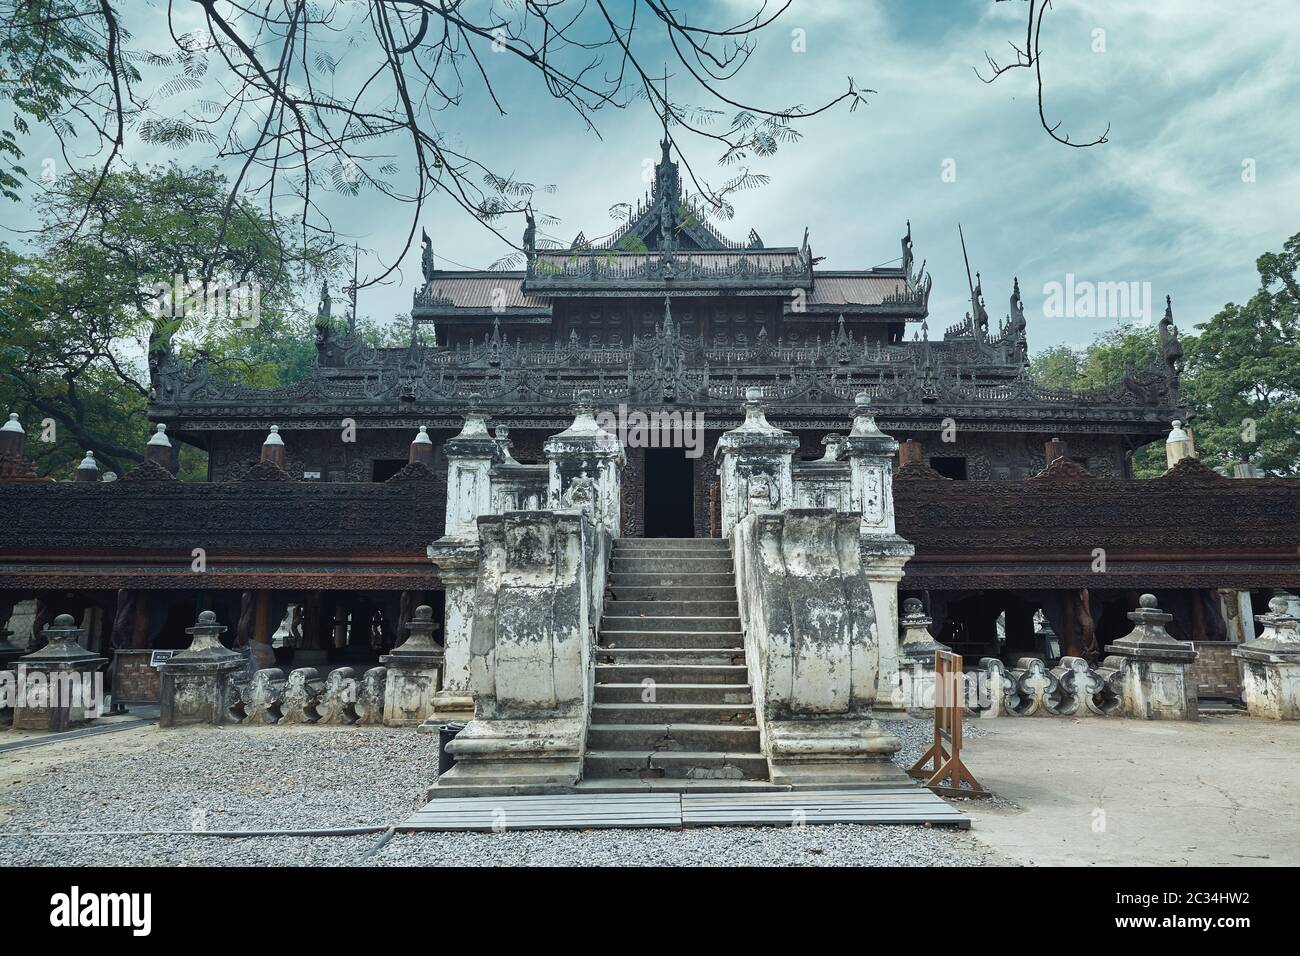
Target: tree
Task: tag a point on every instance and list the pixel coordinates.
(84, 323)
(1241, 374)
(1245, 372)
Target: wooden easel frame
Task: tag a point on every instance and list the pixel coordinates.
(941, 766)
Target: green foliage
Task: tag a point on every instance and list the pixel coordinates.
(83, 320)
(1241, 373)
(1245, 364)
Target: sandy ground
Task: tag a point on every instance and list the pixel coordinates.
(1224, 791)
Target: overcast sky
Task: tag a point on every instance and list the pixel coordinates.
(1195, 94)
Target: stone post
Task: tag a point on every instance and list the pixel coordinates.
(12, 439)
(1155, 667)
(871, 492)
(470, 456)
(469, 476)
(413, 672)
(1270, 664)
(196, 683)
(57, 685)
(916, 654)
(88, 470)
(755, 465)
(1179, 445)
(421, 451)
(273, 450)
(159, 448)
(584, 448)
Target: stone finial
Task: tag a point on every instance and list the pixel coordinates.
(1149, 638)
(420, 629)
(205, 642)
(1179, 445)
(502, 435)
(1280, 640)
(159, 448)
(864, 418)
(12, 437)
(834, 445)
(273, 450)
(63, 646)
(916, 641)
(88, 470)
(421, 448)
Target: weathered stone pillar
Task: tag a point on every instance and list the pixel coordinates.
(12, 440)
(196, 683)
(1179, 445)
(812, 647)
(469, 476)
(531, 656)
(584, 448)
(1270, 664)
(884, 553)
(756, 465)
(470, 456)
(413, 670)
(57, 685)
(1155, 667)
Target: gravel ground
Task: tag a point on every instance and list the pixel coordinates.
(829, 845)
(265, 778)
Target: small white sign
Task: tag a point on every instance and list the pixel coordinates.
(311, 474)
(159, 657)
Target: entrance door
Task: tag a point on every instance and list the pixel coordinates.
(669, 494)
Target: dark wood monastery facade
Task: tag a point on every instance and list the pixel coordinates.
(666, 316)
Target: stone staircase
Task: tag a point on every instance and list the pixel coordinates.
(672, 697)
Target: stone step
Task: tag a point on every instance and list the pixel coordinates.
(715, 738)
(703, 609)
(671, 693)
(666, 675)
(689, 555)
(729, 715)
(672, 579)
(684, 623)
(672, 639)
(676, 565)
(672, 594)
(662, 656)
(673, 765)
(676, 544)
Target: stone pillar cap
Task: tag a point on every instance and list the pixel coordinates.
(419, 644)
(1280, 641)
(88, 463)
(273, 438)
(13, 425)
(159, 437)
(422, 438)
(1149, 638)
(64, 647)
(1178, 434)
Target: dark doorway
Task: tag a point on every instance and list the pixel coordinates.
(669, 494)
(950, 467)
(384, 469)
